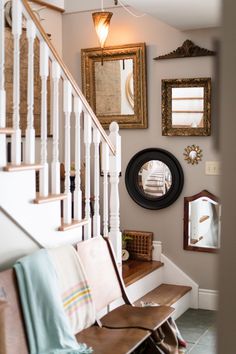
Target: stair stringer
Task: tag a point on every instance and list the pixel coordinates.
(41, 221)
(172, 274)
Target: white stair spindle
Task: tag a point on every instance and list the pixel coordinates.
(77, 193)
(67, 102)
(16, 31)
(30, 132)
(105, 170)
(55, 167)
(2, 86)
(114, 170)
(96, 216)
(44, 70)
(87, 142)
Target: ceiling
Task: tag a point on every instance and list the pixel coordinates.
(181, 14)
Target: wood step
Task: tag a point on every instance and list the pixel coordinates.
(7, 131)
(49, 198)
(22, 167)
(73, 225)
(165, 294)
(133, 270)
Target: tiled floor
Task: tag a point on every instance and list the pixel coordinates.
(198, 328)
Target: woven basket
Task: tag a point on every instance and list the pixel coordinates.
(140, 247)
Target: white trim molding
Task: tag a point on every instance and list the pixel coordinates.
(208, 299)
(156, 250)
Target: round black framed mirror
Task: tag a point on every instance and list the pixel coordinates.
(154, 178)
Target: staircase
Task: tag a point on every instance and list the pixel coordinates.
(35, 215)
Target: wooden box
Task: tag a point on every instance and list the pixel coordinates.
(140, 246)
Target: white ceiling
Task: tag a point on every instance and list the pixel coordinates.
(181, 14)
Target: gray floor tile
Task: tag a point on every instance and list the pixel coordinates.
(191, 335)
(203, 349)
(209, 338)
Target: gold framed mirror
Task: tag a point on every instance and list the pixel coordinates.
(116, 88)
(186, 107)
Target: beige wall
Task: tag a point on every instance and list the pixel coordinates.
(167, 224)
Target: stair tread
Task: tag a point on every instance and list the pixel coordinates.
(73, 225)
(165, 294)
(49, 198)
(22, 167)
(134, 270)
(6, 130)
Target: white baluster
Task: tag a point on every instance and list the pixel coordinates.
(55, 167)
(44, 63)
(87, 142)
(114, 170)
(2, 86)
(30, 132)
(96, 216)
(67, 102)
(105, 170)
(16, 31)
(77, 192)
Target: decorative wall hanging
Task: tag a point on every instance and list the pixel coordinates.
(186, 107)
(187, 50)
(193, 154)
(116, 90)
(154, 178)
(202, 222)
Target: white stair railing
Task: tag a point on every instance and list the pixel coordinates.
(78, 140)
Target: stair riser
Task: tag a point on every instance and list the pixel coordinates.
(145, 285)
(182, 305)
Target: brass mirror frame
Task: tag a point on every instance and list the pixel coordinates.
(187, 200)
(137, 52)
(167, 86)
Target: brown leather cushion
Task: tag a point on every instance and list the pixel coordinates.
(107, 341)
(127, 316)
(12, 331)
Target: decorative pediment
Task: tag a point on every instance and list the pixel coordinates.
(187, 50)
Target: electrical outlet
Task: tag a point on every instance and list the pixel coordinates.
(212, 168)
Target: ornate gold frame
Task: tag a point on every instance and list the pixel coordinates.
(198, 152)
(137, 52)
(167, 86)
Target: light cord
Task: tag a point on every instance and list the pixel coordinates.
(128, 10)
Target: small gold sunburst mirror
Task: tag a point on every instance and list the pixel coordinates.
(193, 154)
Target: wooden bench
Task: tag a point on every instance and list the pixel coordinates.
(121, 331)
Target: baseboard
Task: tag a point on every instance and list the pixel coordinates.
(208, 299)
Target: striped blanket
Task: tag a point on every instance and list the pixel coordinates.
(75, 292)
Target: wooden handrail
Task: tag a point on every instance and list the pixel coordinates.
(68, 75)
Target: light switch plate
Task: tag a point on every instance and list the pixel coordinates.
(212, 168)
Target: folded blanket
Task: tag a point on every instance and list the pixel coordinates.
(75, 292)
(47, 327)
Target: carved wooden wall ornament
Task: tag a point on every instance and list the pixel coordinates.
(187, 50)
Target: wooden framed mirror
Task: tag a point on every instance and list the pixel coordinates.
(202, 222)
(186, 107)
(115, 84)
(154, 178)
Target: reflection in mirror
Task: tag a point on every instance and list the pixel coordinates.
(155, 178)
(186, 106)
(114, 87)
(116, 90)
(203, 222)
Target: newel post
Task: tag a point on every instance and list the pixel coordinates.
(114, 172)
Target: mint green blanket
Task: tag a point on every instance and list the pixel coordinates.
(47, 327)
